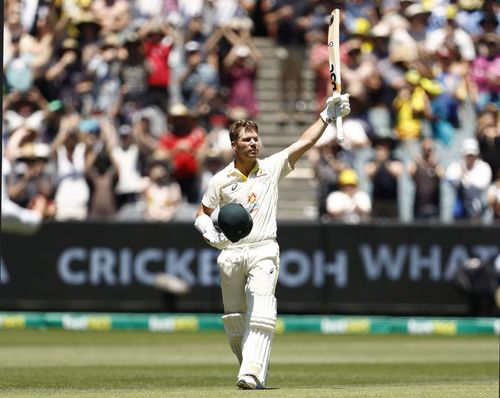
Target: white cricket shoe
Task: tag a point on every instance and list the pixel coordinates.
(249, 382)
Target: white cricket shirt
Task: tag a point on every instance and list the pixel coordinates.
(258, 193)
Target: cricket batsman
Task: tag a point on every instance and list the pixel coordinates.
(249, 261)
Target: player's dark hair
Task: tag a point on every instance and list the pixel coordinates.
(237, 126)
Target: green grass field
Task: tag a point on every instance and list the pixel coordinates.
(54, 363)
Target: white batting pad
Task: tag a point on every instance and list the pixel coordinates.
(262, 311)
(258, 339)
(235, 325)
(256, 352)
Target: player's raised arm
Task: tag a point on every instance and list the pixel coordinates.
(336, 106)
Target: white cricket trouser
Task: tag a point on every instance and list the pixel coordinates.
(251, 269)
(248, 280)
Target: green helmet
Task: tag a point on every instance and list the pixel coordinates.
(235, 222)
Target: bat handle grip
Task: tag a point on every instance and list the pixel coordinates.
(340, 133)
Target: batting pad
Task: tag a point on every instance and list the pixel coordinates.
(259, 337)
(262, 312)
(235, 325)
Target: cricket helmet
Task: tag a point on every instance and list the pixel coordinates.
(235, 222)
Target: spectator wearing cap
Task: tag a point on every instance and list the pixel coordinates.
(349, 204)
(241, 66)
(485, 72)
(411, 38)
(426, 172)
(31, 182)
(200, 80)
(470, 177)
(184, 145)
(384, 170)
(157, 48)
(88, 34)
(26, 110)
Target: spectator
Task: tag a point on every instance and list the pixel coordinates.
(39, 45)
(328, 159)
(88, 34)
(71, 152)
(104, 69)
(14, 218)
(493, 196)
(451, 74)
(113, 15)
(30, 183)
(126, 155)
(470, 177)
(65, 74)
(411, 106)
(488, 136)
(241, 65)
(162, 195)
(134, 75)
(384, 170)
(411, 38)
(360, 76)
(184, 145)
(426, 172)
(102, 177)
(349, 204)
(157, 47)
(451, 35)
(391, 81)
(26, 110)
(485, 72)
(145, 140)
(199, 80)
(217, 138)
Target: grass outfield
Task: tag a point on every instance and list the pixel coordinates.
(55, 363)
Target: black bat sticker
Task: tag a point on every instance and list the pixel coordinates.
(333, 77)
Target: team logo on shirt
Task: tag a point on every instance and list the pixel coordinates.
(252, 198)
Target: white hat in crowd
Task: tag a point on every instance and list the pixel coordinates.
(470, 147)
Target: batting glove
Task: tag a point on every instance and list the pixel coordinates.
(336, 106)
(214, 237)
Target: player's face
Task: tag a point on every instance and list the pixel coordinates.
(247, 145)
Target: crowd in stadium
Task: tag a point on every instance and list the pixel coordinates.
(119, 109)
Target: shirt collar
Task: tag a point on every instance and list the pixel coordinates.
(233, 171)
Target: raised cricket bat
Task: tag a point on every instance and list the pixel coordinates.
(334, 60)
